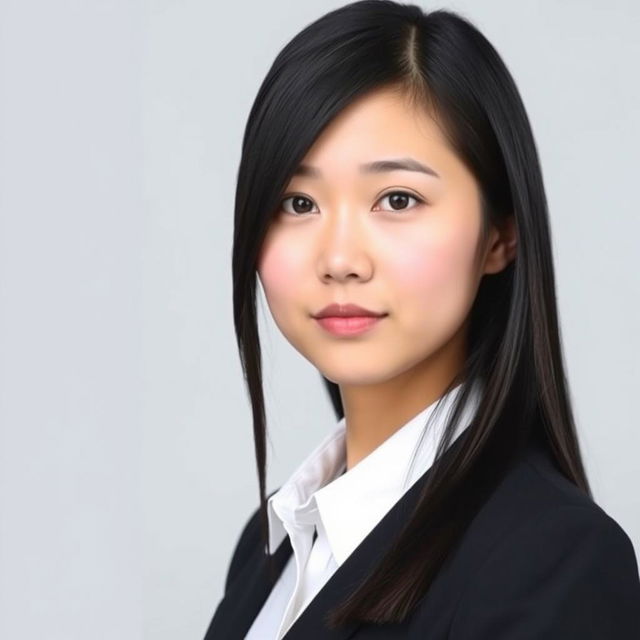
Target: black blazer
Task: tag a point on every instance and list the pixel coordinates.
(540, 560)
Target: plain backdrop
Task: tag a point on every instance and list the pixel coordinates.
(126, 455)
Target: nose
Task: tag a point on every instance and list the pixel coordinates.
(343, 250)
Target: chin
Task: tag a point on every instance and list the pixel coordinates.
(354, 377)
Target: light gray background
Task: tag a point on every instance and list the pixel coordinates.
(126, 455)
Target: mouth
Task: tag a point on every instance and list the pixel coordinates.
(346, 310)
(349, 325)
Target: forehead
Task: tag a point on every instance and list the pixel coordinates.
(382, 124)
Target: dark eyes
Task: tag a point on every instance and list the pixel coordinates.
(397, 200)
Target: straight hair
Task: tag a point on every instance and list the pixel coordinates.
(441, 63)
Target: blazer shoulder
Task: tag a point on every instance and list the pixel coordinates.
(555, 564)
(535, 490)
(534, 485)
(568, 572)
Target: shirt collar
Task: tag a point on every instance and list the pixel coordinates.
(350, 503)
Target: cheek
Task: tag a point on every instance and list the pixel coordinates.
(434, 277)
(279, 268)
(273, 269)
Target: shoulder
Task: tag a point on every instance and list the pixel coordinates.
(542, 509)
(535, 490)
(555, 564)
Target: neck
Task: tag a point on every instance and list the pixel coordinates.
(374, 412)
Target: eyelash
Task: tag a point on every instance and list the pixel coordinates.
(418, 200)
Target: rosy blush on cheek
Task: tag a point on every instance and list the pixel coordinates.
(433, 278)
(273, 271)
(447, 264)
(420, 266)
(278, 265)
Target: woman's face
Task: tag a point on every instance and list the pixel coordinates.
(343, 239)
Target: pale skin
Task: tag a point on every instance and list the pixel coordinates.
(345, 242)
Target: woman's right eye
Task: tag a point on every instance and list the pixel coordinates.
(300, 205)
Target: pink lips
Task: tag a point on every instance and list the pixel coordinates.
(346, 310)
(347, 319)
(348, 325)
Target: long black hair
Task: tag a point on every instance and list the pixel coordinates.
(442, 63)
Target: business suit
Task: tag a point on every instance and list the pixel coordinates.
(539, 560)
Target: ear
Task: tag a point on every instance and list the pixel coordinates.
(501, 249)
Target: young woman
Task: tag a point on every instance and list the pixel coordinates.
(391, 203)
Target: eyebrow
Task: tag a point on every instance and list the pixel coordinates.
(378, 166)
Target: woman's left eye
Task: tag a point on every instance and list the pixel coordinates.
(398, 198)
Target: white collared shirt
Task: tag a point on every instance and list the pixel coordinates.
(343, 506)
